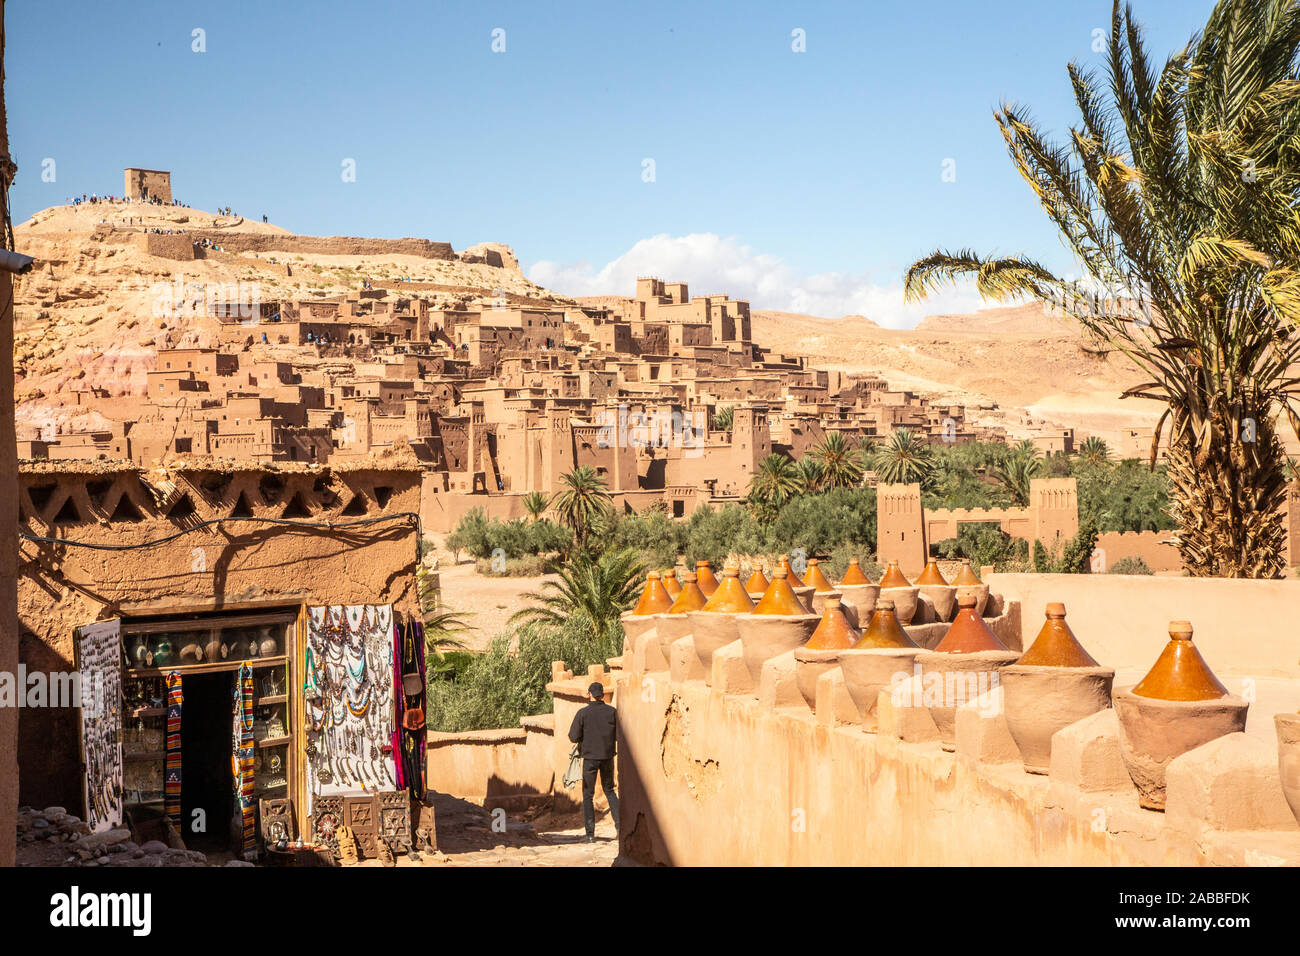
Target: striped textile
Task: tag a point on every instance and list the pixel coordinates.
(172, 769)
(242, 761)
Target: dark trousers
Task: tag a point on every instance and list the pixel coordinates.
(589, 770)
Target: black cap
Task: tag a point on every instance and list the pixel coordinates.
(597, 690)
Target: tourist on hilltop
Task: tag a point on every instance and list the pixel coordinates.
(595, 729)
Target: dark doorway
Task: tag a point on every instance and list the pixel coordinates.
(207, 782)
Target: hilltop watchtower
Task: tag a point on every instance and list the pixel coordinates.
(149, 184)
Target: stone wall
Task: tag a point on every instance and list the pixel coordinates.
(1150, 546)
(8, 596)
(324, 245)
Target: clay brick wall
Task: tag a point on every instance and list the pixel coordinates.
(1147, 545)
(150, 183)
(325, 245)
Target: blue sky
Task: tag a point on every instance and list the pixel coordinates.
(801, 180)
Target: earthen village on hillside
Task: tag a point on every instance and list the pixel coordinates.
(332, 551)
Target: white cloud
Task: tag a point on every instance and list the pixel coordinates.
(711, 263)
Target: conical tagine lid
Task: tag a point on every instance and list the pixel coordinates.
(654, 599)
(967, 577)
(816, 578)
(790, 576)
(691, 598)
(730, 597)
(1056, 645)
(1180, 672)
(705, 578)
(669, 578)
(932, 575)
(968, 633)
(854, 575)
(883, 630)
(757, 582)
(834, 632)
(894, 578)
(779, 598)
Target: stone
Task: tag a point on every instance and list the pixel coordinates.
(1230, 783)
(154, 846)
(982, 733)
(898, 717)
(1288, 758)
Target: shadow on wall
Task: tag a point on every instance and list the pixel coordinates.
(641, 840)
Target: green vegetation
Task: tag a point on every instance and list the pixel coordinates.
(479, 536)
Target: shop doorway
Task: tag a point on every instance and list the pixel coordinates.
(207, 783)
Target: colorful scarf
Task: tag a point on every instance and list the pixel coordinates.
(242, 761)
(172, 770)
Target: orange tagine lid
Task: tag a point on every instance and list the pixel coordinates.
(894, 578)
(1180, 672)
(834, 632)
(854, 574)
(691, 597)
(671, 585)
(932, 575)
(654, 599)
(757, 582)
(779, 598)
(790, 576)
(816, 578)
(968, 633)
(1056, 645)
(730, 597)
(967, 577)
(883, 630)
(705, 578)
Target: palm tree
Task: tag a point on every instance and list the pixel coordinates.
(906, 458)
(724, 418)
(839, 466)
(587, 592)
(776, 482)
(535, 503)
(1178, 194)
(1015, 472)
(581, 501)
(1094, 451)
(811, 474)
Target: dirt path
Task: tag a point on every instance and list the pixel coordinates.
(485, 602)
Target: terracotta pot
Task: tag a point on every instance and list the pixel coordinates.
(1288, 758)
(757, 584)
(671, 584)
(675, 623)
(1053, 684)
(714, 625)
(883, 651)
(705, 579)
(834, 633)
(784, 564)
(654, 597)
(823, 600)
(895, 587)
(1177, 707)
(862, 598)
(689, 597)
(963, 666)
(815, 577)
(934, 586)
(777, 624)
(967, 582)
(854, 574)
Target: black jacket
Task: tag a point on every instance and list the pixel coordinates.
(595, 727)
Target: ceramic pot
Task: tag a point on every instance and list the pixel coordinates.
(705, 579)
(822, 600)
(676, 623)
(963, 666)
(967, 582)
(834, 633)
(714, 625)
(269, 646)
(214, 650)
(140, 656)
(778, 623)
(1177, 707)
(1053, 684)
(670, 582)
(854, 574)
(653, 603)
(895, 586)
(862, 598)
(942, 595)
(192, 653)
(1288, 758)
(873, 664)
(162, 653)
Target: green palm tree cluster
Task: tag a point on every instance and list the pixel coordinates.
(1015, 472)
(588, 592)
(583, 503)
(811, 474)
(724, 418)
(1178, 193)
(1094, 451)
(904, 459)
(536, 503)
(840, 466)
(776, 481)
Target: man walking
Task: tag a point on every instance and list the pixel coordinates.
(594, 729)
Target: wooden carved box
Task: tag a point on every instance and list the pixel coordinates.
(370, 816)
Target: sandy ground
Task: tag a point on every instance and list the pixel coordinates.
(486, 602)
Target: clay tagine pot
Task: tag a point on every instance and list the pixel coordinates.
(895, 586)
(801, 589)
(962, 667)
(705, 579)
(1053, 684)
(649, 611)
(677, 623)
(671, 584)
(780, 622)
(968, 582)
(1288, 758)
(858, 592)
(1177, 707)
(875, 662)
(824, 595)
(757, 584)
(935, 588)
(714, 625)
(834, 634)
